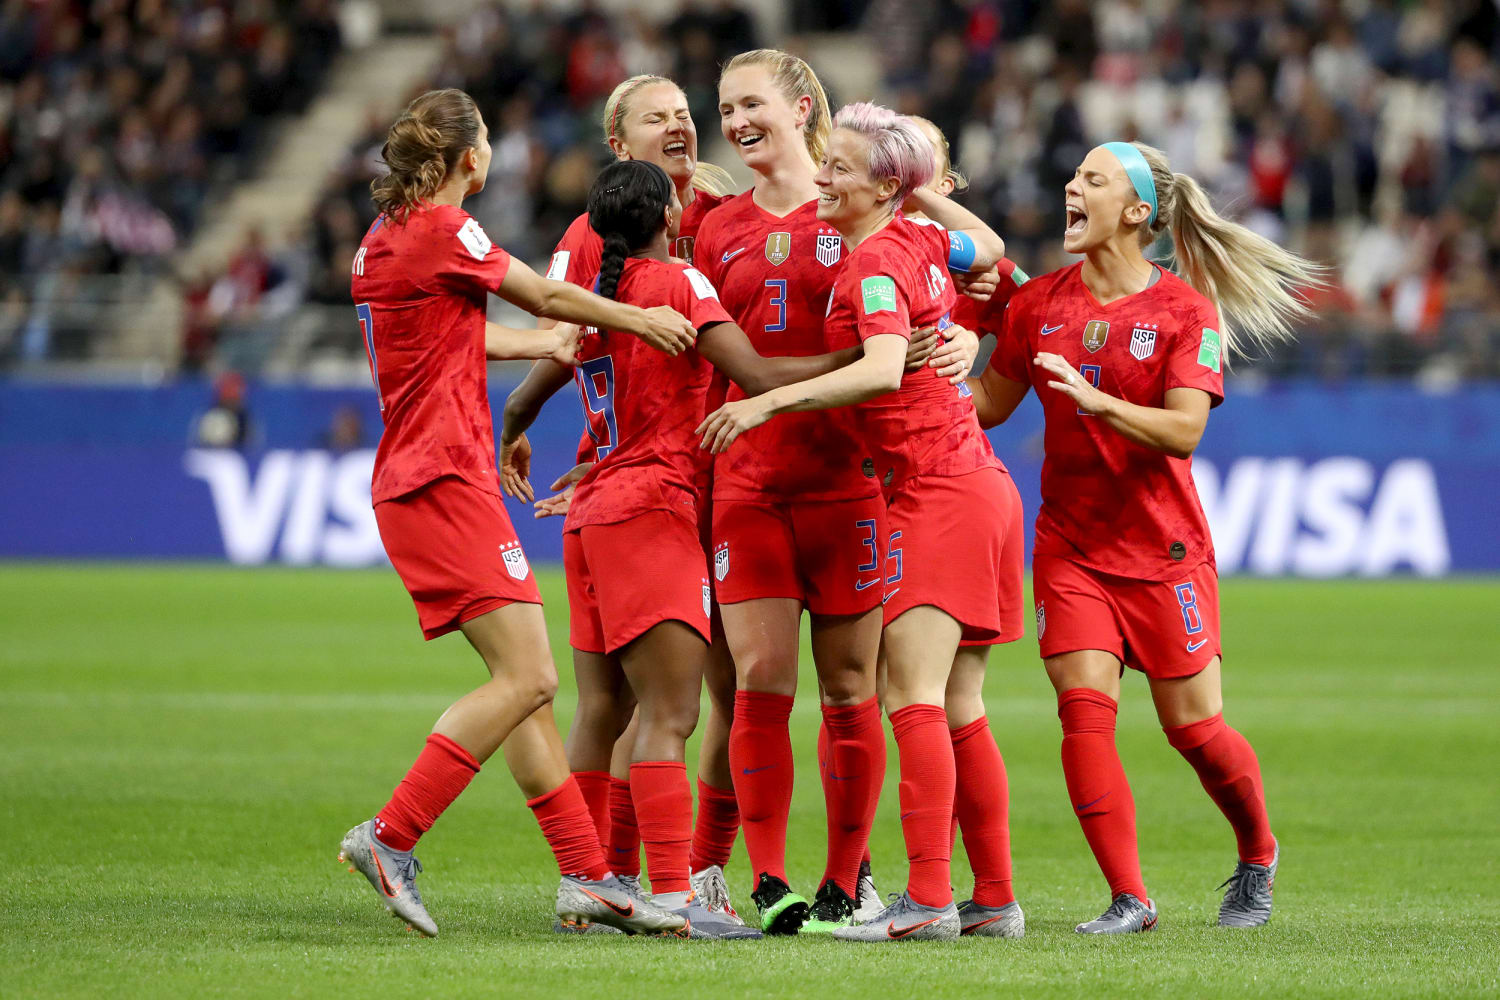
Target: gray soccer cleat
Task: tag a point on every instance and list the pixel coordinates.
(705, 923)
(1247, 903)
(991, 921)
(712, 892)
(905, 920)
(393, 874)
(609, 901)
(632, 884)
(1126, 915)
(867, 904)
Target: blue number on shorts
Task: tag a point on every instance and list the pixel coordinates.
(893, 551)
(1092, 374)
(779, 301)
(1191, 619)
(868, 527)
(367, 330)
(597, 401)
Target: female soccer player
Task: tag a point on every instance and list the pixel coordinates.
(1127, 360)
(927, 446)
(645, 118)
(420, 279)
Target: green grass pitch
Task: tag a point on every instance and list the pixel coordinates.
(182, 747)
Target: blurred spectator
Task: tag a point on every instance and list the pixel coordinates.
(225, 424)
(346, 431)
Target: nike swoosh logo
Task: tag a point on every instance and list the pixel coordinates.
(1050, 329)
(888, 595)
(898, 933)
(905, 815)
(1093, 803)
(623, 911)
(385, 884)
(974, 927)
(731, 255)
(841, 777)
(1193, 646)
(756, 770)
(865, 584)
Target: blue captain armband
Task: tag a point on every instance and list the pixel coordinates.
(961, 251)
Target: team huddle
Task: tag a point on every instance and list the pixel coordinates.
(779, 407)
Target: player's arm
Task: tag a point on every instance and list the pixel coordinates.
(728, 349)
(663, 327)
(987, 246)
(1174, 429)
(877, 372)
(521, 409)
(558, 341)
(995, 397)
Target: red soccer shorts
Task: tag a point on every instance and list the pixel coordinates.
(1162, 628)
(958, 544)
(828, 554)
(623, 578)
(454, 548)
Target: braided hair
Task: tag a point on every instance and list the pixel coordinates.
(625, 208)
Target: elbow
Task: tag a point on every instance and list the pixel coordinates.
(887, 381)
(1184, 447)
(993, 248)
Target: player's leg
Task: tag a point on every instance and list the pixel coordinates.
(718, 818)
(920, 647)
(605, 706)
(981, 802)
(623, 848)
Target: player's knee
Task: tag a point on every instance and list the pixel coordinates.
(538, 684)
(675, 719)
(761, 671)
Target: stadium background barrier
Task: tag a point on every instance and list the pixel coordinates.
(1299, 478)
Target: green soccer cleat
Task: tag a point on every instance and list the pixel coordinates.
(831, 908)
(782, 911)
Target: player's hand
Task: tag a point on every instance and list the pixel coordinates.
(566, 351)
(730, 421)
(515, 468)
(979, 287)
(954, 358)
(557, 506)
(1067, 381)
(667, 330)
(923, 343)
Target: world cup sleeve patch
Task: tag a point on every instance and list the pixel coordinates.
(701, 285)
(558, 269)
(879, 293)
(474, 239)
(1209, 349)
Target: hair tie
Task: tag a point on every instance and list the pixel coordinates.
(1139, 172)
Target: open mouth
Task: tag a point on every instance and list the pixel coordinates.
(1078, 221)
(746, 141)
(677, 148)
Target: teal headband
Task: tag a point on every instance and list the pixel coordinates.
(1139, 172)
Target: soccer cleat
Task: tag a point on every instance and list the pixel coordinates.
(782, 911)
(1126, 915)
(703, 923)
(831, 908)
(991, 921)
(632, 884)
(712, 891)
(393, 874)
(1247, 903)
(905, 920)
(867, 904)
(609, 901)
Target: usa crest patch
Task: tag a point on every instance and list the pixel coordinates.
(721, 562)
(707, 600)
(1143, 341)
(515, 560)
(1095, 333)
(778, 248)
(1041, 619)
(830, 249)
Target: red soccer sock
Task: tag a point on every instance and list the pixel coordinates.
(1230, 773)
(981, 804)
(1097, 787)
(664, 812)
(851, 786)
(443, 769)
(717, 825)
(565, 822)
(595, 788)
(623, 849)
(927, 779)
(760, 758)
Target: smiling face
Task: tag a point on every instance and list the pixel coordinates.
(655, 126)
(1100, 202)
(848, 196)
(757, 119)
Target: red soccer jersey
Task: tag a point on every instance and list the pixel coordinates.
(774, 274)
(985, 317)
(419, 290)
(576, 260)
(894, 281)
(648, 403)
(1107, 502)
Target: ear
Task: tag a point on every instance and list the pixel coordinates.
(619, 148)
(803, 109)
(945, 186)
(1137, 214)
(886, 188)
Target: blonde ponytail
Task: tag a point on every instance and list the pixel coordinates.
(711, 179)
(1250, 280)
(706, 177)
(796, 80)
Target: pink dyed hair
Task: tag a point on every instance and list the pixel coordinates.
(897, 146)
